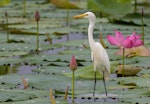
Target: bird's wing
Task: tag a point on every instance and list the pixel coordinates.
(103, 55)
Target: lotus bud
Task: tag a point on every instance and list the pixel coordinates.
(73, 63)
(37, 16)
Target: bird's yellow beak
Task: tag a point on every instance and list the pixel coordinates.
(80, 16)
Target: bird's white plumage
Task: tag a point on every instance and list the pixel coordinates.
(99, 55)
(100, 59)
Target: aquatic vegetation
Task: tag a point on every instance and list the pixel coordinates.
(37, 18)
(130, 41)
(73, 67)
(21, 67)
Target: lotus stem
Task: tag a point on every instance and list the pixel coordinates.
(24, 8)
(72, 86)
(6, 15)
(135, 5)
(123, 62)
(7, 29)
(143, 33)
(37, 39)
(67, 15)
(37, 18)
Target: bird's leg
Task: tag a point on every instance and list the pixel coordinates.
(94, 84)
(104, 83)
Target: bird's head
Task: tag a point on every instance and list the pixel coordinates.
(88, 15)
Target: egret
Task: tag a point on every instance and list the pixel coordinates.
(99, 55)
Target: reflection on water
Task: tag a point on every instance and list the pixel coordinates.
(7, 69)
(22, 69)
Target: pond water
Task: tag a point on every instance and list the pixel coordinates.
(71, 36)
(27, 69)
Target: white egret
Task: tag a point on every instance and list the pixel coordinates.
(98, 53)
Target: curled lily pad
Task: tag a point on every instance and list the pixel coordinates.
(135, 51)
(128, 70)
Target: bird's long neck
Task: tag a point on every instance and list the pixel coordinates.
(90, 32)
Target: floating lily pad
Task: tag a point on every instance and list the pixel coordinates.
(128, 70)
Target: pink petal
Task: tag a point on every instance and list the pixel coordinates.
(138, 36)
(132, 37)
(112, 40)
(119, 36)
(73, 63)
(37, 15)
(133, 34)
(127, 43)
(138, 43)
(127, 37)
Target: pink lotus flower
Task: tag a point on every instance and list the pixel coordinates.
(73, 63)
(128, 42)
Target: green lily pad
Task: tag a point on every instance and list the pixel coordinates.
(86, 72)
(112, 7)
(7, 96)
(143, 100)
(134, 19)
(4, 2)
(138, 81)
